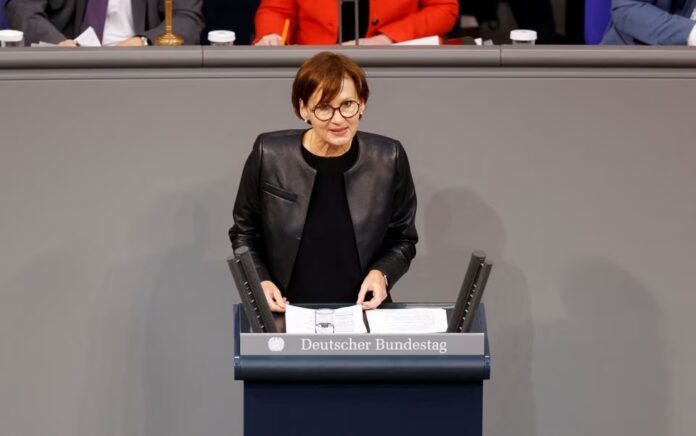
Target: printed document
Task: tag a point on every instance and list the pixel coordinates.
(88, 38)
(407, 321)
(344, 320)
(428, 40)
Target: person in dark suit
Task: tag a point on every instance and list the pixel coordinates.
(328, 213)
(3, 19)
(116, 22)
(535, 15)
(652, 22)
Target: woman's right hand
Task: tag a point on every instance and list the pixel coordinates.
(275, 299)
(270, 39)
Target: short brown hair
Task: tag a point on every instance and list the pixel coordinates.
(326, 71)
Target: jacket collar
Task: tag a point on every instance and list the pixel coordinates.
(139, 8)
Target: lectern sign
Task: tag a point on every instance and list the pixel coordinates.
(441, 344)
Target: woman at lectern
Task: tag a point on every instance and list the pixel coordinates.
(328, 213)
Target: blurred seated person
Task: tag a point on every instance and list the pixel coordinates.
(652, 22)
(116, 22)
(3, 19)
(381, 22)
(536, 15)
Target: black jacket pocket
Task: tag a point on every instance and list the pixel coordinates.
(279, 192)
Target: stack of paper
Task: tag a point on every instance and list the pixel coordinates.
(88, 38)
(345, 320)
(407, 321)
(427, 40)
(350, 320)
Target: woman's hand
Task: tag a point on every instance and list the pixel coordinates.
(275, 299)
(270, 39)
(135, 41)
(373, 282)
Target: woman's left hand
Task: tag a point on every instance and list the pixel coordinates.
(373, 282)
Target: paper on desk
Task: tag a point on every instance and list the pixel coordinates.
(428, 40)
(407, 321)
(88, 38)
(302, 320)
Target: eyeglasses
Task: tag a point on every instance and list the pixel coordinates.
(347, 109)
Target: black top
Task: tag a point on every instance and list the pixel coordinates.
(327, 266)
(348, 21)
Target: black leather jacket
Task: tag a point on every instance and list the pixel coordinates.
(274, 194)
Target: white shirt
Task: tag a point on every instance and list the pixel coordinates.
(119, 22)
(692, 35)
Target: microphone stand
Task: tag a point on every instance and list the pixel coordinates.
(356, 12)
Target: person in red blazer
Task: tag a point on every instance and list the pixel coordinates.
(315, 22)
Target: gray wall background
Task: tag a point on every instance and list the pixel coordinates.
(116, 303)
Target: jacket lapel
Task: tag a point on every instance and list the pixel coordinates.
(303, 181)
(678, 7)
(301, 176)
(689, 9)
(356, 186)
(139, 8)
(80, 6)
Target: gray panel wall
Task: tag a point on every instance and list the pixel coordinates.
(116, 195)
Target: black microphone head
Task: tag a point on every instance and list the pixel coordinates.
(479, 254)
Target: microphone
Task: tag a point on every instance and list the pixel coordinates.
(356, 12)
